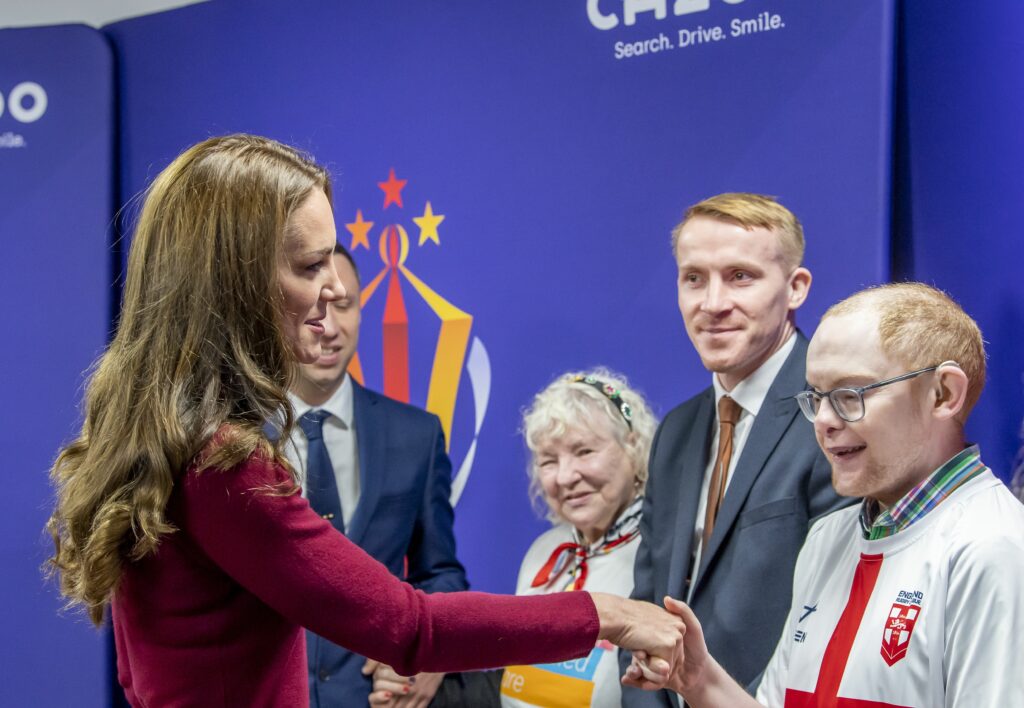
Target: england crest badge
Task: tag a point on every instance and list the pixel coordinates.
(899, 625)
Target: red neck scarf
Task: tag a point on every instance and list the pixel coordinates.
(621, 533)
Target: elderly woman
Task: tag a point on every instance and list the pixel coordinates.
(589, 436)
(176, 512)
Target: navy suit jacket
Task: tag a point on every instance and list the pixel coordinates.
(781, 483)
(403, 515)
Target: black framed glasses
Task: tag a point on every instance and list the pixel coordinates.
(847, 402)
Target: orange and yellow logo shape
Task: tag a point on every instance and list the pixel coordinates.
(453, 339)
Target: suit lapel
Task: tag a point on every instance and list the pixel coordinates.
(776, 415)
(690, 464)
(371, 443)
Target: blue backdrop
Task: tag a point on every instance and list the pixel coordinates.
(558, 167)
(960, 183)
(560, 154)
(56, 178)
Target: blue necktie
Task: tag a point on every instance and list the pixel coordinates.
(321, 486)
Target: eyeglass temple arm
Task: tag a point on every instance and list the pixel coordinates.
(895, 379)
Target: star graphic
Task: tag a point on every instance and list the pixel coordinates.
(359, 229)
(428, 225)
(392, 189)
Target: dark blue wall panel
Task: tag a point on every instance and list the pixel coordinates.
(961, 182)
(56, 178)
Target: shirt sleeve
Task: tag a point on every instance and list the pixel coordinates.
(282, 552)
(984, 620)
(536, 555)
(522, 581)
(771, 691)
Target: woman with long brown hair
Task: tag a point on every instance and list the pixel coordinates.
(175, 510)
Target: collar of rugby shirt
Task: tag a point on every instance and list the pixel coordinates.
(881, 523)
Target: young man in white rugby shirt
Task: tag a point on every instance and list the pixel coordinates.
(916, 596)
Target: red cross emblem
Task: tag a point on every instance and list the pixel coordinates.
(833, 663)
(898, 628)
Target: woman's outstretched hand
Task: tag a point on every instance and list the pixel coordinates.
(646, 628)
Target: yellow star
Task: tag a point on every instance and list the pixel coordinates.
(428, 225)
(359, 229)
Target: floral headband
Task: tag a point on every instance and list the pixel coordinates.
(609, 392)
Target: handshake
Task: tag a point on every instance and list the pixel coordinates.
(668, 650)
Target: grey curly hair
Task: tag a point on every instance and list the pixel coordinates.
(566, 404)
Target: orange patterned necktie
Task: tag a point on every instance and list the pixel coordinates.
(728, 413)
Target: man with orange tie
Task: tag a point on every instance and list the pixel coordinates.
(735, 476)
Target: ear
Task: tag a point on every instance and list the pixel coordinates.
(950, 391)
(799, 286)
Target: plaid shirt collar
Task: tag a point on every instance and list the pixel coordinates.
(881, 523)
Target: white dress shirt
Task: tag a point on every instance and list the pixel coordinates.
(340, 439)
(749, 394)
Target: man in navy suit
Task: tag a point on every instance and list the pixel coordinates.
(735, 475)
(393, 480)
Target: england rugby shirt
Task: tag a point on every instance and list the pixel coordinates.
(929, 616)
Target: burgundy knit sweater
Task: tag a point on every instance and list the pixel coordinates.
(215, 616)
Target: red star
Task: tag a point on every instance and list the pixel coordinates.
(392, 189)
